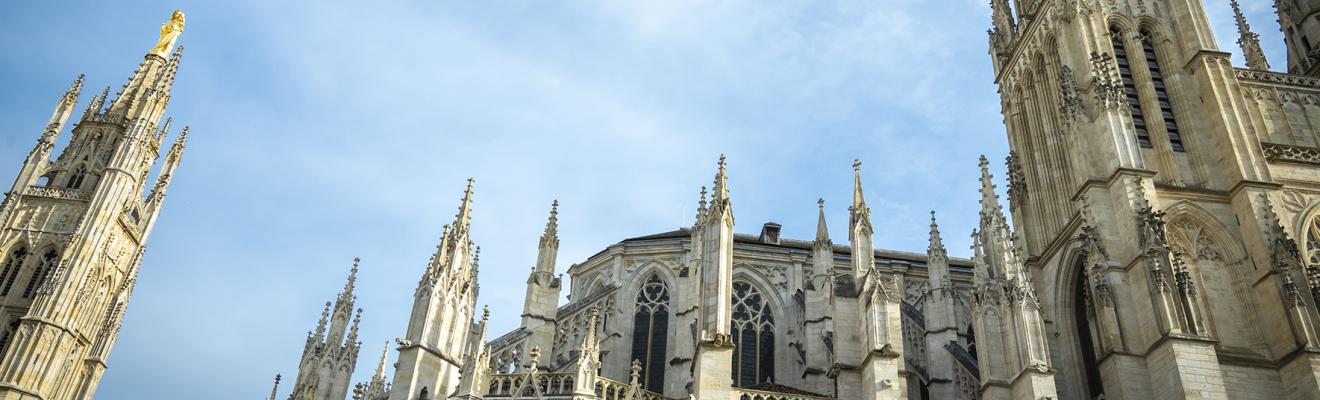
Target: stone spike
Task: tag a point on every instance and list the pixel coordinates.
(1249, 41)
(859, 198)
(552, 225)
(325, 318)
(721, 188)
(97, 103)
(464, 217)
(822, 232)
(936, 246)
(701, 206)
(353, 331)
(989, 200)
(347, 293)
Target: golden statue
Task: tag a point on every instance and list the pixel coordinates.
(169, 32)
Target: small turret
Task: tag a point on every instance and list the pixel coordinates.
(1249, 41)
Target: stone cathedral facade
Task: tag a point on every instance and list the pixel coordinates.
(1164, 243)
(73, 230)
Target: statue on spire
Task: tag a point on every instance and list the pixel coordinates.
(169, 33)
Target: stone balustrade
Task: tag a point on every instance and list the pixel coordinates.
(58, 193)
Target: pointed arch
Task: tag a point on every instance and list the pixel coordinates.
(1218, 264)
(651, 315)
(754, 331)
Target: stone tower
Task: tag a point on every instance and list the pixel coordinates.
(431, 353)
(1141, 178)
(330, 355)
(542, 299)
(75, 228)
(1301, 34)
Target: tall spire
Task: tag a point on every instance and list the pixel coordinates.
(859, 199)
(1249, 41)
(822, 232)
(936, 246)
(463, 220)
(552, 225)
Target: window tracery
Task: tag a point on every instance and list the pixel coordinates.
(650, 332)
(753, 337)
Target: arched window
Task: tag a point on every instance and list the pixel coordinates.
(1129, 86)
(753, 337)
(76, 180)
(1313, 241)
(650, 333)
(8, 335)
(43, 270)
(1161, 93)
(1082, 313)
(10, 272)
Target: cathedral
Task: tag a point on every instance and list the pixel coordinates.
(1164, 243)
(1160, 240)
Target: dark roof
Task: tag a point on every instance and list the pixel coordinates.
(801, 244)
(777, 388)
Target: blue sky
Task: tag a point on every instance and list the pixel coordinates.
(323, 131)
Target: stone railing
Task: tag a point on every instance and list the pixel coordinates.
(1275, 152)
(748, 394)
(966, 373)
(1277, 78)
(530, 385)
(506, 352)
(914, 340)
(609, 389)
(58, 193)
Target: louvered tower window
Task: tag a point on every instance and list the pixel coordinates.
(1161, 92)
(1130, 87)
(10, 273)
(753, 337)
(650, 330)
(43, 270)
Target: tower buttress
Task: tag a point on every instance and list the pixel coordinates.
(1006, 314)
(330, 355)
(819, 320)
(940, 312)
(883, 373)
(543, 288)
(430, 354)
(712, 372)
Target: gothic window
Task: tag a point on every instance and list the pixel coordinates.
(1129, 87)
(10, 272)
(753, 337)
(76, 180)
(8, 335)
(650, 332)
(1161, 92)
(43, 270)
(1082, 314)
(1313, 241)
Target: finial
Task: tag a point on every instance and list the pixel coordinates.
(721, 189)
(552, 225)
(859, 198)
(936, 243)
(485, 314)
(820, 202)
(857, 165)
(822, 232)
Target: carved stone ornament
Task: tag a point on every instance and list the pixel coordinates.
(1108, 87)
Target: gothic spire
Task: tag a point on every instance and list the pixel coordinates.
(1249, 41)
(463, 220)
(861, 214)
(822, 232)
(380, 366)
(701, 207)
(320, 326)
(63, 109)
(346, 295)
(721, 188)
(990, 206)
(936, 246)
(549, 248)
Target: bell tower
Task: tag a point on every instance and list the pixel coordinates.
(75, 229)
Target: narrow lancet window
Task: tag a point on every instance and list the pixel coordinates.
(1130, 87)
(753, 337)
(650, 333)
(1161, 92)
(39, 275)
(12, 266)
